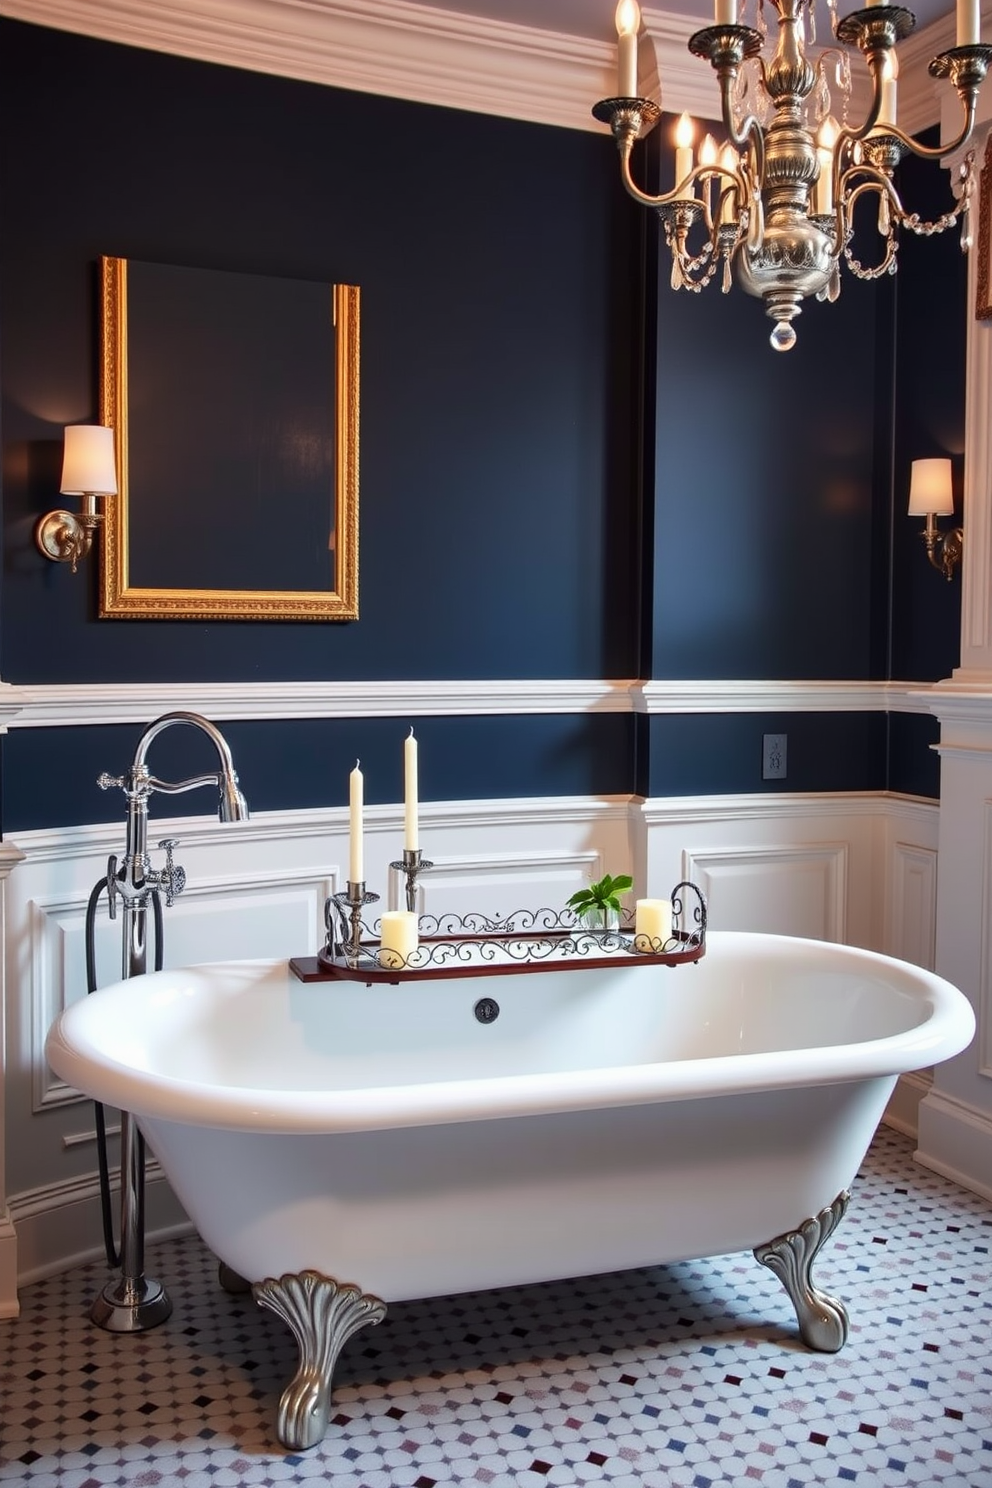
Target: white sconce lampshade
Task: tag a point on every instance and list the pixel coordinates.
(931, 489)
(88, 465)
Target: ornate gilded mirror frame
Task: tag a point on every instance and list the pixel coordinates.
(119, 599)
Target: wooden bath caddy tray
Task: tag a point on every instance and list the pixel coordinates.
(487, 956)
(529, 941)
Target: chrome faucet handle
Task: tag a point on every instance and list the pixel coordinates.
(105, 781)
(172, 878)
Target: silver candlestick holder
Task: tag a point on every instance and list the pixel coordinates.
(349, 906)
(411, 864)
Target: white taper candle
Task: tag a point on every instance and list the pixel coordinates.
(628, 20)
(356, 803)
(969, 27)
(411, 825)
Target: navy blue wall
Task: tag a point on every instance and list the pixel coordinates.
(566, 469)
(929, 376)
(499, 267)
(495, 261)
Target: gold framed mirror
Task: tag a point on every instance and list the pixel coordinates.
(235, 403)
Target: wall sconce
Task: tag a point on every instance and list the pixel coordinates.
(89, 471)
(931, 495)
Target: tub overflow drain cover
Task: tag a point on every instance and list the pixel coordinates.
(487, 1010)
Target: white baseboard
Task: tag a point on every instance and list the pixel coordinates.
(60, 1226)
(903, 1111)
(955, 1140)
(9, 1306)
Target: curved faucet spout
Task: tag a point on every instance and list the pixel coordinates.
(232, 806)
(134, 878)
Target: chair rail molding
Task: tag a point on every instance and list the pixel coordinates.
(62, 705)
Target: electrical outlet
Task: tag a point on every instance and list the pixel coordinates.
(774, 749)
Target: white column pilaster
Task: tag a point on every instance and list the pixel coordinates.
(956, 1116)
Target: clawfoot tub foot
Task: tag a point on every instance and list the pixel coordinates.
(822, 1319)
(323, 1314)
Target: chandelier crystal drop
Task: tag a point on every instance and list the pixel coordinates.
(776, 201)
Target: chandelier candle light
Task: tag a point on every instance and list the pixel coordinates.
(789, 177)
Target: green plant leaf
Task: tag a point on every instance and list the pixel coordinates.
(602, 895)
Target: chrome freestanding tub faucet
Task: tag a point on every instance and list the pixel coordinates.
(133, 1302)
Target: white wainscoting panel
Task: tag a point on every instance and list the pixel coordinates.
(914, 902)
(842, 851)
(778, 890)
(236, 918)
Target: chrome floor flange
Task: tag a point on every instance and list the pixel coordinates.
(822, 1319)
(323, 1314)
(131, 1304)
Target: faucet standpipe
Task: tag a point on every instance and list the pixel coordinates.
(134, 1302)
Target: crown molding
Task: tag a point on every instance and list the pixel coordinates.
(410, 51)
(397, 50)
(427, 55)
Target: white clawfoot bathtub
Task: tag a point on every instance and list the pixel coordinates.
(342, 1145)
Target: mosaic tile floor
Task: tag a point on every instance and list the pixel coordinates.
(680, 1375)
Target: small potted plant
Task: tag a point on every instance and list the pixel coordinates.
(598, 906)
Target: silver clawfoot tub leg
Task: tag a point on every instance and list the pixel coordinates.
(323, 1315)
(822, 1319)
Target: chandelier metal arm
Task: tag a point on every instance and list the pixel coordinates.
(678, 195)
(935, 152)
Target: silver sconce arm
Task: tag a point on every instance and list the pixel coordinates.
(944, 549)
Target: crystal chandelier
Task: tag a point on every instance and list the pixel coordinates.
(777, 202)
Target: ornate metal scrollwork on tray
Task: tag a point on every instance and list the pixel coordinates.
(452, 943)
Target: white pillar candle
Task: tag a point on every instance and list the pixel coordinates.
(411, 824)
(397, 937)
(628, 20)
(683, 152)
(726, 12)
(356, 802)
(652, 924)
(969, 30)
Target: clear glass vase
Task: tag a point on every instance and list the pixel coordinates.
(602, 923)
